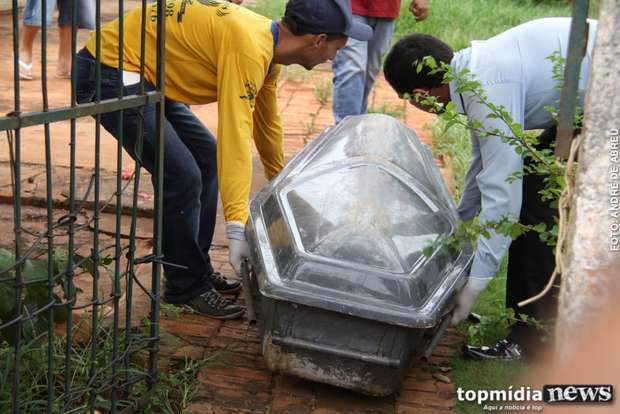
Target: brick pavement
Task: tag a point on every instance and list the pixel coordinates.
(245, 385)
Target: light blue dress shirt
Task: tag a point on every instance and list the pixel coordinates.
(515, 72)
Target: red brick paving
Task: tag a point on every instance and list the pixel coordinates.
(243, 384)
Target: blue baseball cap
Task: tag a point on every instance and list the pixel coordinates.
(327, 16)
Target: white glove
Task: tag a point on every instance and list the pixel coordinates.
(238, 247)
(466, 298)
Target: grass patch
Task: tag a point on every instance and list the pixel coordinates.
(487, 375)
(295, 73)
(458, 22)
(492, 305)
(274, 9)
(323, 91)
(395, 110)
(176, 388)
(484, 375)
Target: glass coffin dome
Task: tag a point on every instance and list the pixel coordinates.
(343, 227)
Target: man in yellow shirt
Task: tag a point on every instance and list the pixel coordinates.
(215, 52)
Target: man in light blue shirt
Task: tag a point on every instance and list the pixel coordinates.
(515, 72)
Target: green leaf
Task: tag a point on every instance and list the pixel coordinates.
(476, 124)
(7, 299)
(6, 259)
(84, 262)
(35, 270)
(7, 288)
(60, 260)
(9, 333)
(35, 299)
(60, 313)
(516, 231)
(430, 62)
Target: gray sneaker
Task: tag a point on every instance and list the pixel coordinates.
(214, 305)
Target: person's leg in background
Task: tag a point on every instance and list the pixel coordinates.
(202, 145)
(383, 30)
(85, 20)
(63, 68)
(530, 265)
(531, 262)
(31, 24)
(349, 67)
(25, 53)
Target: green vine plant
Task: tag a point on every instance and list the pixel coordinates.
(176, 388)
(35, 294)
(541, 162)
(493, 328)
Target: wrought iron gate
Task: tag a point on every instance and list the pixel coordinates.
(40, 369)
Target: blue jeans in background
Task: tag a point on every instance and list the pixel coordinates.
(85, 13)
(356, 66)
(190, 176)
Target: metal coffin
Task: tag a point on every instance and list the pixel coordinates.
(344, 292)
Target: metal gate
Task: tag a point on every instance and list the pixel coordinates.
(44, 368)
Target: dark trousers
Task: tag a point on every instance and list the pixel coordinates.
(190, 176)
(531, 261)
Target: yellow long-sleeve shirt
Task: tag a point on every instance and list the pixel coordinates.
(215, 51)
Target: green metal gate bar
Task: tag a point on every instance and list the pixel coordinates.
(82, 110)
(111, 378)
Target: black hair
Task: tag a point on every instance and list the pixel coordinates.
(292, 25)
(400, 68)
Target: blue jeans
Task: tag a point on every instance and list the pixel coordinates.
(190, 176)
(85, 13)
(356, 67)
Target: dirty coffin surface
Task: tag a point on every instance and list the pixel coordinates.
(347, 296)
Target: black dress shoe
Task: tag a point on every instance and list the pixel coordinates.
(223, 285)
(213, 305)
(504, 350)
